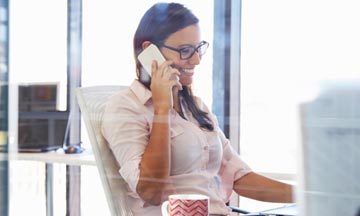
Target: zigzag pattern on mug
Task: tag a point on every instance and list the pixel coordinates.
(188, 207)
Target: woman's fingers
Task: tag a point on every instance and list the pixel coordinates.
(164, 71)
(165, 75)
(159, 70)
(176, 83)
(154, 68)
(165, 65)
(171, 74)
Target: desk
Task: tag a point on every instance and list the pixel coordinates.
(84, 158)
(50, 158)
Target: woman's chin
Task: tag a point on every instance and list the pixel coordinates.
(186, 81)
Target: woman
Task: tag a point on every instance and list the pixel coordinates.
(165, 139)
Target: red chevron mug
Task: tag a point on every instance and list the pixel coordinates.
(186, 205)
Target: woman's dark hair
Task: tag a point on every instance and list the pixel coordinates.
(157, 24)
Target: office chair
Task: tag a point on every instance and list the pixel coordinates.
(91, 101)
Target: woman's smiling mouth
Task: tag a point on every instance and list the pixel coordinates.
(188, 72)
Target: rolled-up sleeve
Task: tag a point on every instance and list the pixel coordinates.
(126, 131)
(232, 167)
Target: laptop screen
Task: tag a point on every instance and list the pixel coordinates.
(40, 126)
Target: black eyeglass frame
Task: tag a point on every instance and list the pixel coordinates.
(195, 49)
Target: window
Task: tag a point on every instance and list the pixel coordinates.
(286, 48)
(37, 44)
(283, 54)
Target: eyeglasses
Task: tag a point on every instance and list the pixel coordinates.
(188, 51)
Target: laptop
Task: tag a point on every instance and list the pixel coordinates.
(41, 131)
(41, 127)
(287, 210)
(329, 178)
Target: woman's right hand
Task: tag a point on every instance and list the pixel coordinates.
(161, 86)
(155, 162)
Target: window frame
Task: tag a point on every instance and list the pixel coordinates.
(4, 71)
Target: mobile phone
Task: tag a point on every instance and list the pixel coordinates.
(149, 54)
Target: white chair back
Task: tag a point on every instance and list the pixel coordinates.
(92, 101)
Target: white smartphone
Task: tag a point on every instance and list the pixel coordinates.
(149, 54)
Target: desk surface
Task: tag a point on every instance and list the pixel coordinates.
(84, 158)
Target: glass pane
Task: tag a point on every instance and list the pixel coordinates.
(38, 44)
(281, 60)
(286, 48)
(38, 82)
(38, 62)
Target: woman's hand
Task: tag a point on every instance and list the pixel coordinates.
(162, 83)
(155, 163)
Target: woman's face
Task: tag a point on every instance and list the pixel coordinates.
(187, 36)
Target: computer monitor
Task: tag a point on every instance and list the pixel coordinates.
(41, 127)
(329, 178)
(38, 97)
(42, 131)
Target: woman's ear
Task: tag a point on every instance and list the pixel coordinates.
(145, 44)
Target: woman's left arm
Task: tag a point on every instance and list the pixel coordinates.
(248, 184)
(259, 187)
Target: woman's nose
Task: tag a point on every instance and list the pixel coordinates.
(195, 59)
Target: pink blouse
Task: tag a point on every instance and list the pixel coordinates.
(202, 161)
